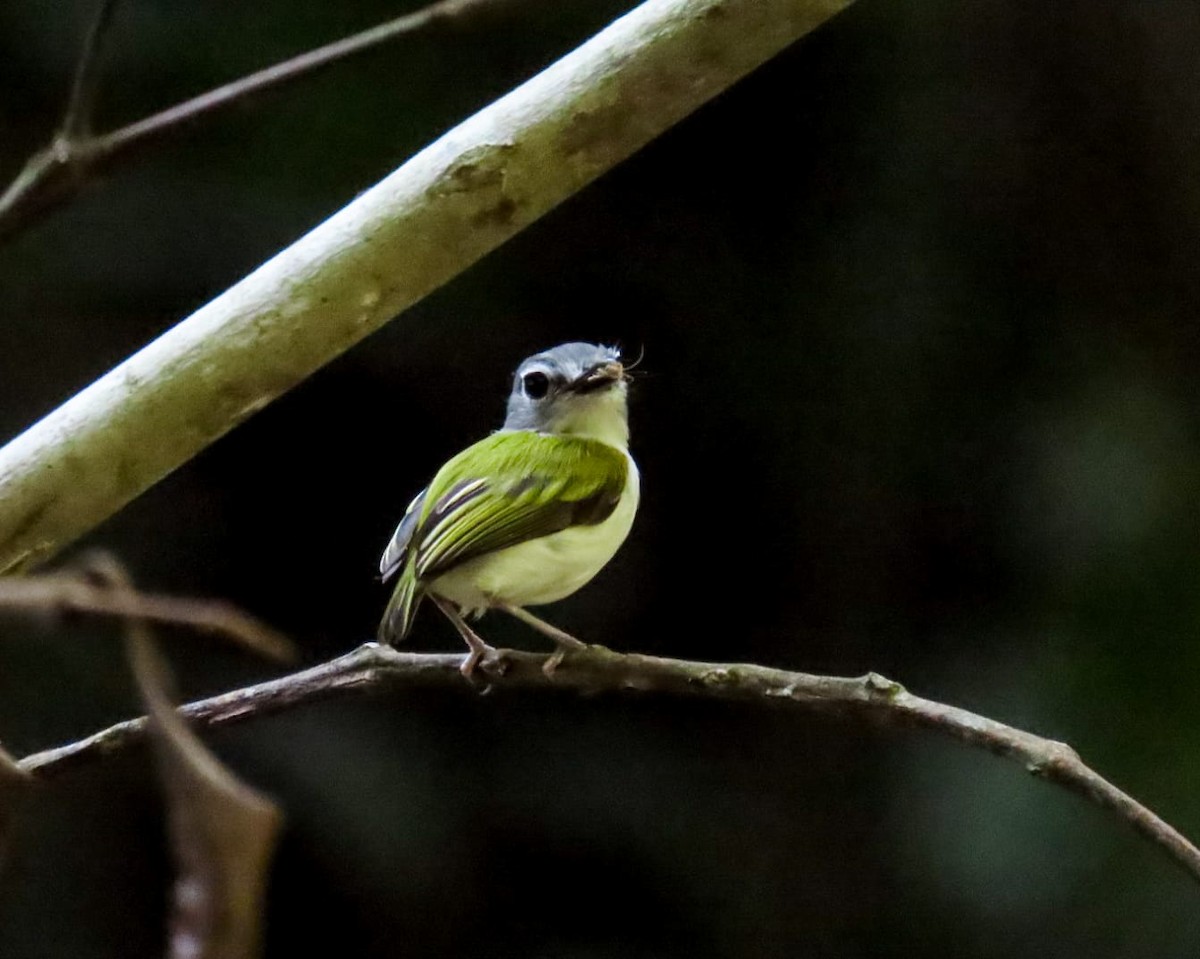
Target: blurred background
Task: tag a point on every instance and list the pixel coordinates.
(918, 303)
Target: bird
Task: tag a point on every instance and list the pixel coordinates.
(528, 515)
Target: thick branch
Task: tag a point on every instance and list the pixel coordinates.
(441, 211)
(869, 697)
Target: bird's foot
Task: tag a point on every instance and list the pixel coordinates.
(485, 659)
(553, 661)
(565, 645)
(480, 654)
(564, 642)
(470, 661)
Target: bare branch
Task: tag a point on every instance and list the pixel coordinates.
(55, 174)
(68, 592)
(280, 74)
(870, 697)
(77, 121)
(456, 200)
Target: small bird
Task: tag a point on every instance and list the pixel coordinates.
(528, 515)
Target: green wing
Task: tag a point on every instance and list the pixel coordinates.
(511, 487)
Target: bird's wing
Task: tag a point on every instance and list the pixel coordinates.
(513, 486)
(397, 548)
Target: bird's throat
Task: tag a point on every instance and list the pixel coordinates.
(603, 417)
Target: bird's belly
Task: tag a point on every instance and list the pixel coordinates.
(541, 570)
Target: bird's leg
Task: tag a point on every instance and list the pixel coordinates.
(474, 641)
(565, 642)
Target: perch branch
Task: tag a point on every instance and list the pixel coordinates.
(869, 697)
(453, 202)
(59, 171)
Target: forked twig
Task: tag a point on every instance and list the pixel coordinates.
(60, 170)
(77, 121)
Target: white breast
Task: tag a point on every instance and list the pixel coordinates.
(546, 569)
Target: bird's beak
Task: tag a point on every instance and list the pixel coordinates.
(600, 377)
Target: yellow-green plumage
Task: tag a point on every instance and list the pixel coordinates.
(521, 518)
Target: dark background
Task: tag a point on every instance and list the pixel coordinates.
(918, 302)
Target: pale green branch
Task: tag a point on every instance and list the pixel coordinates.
(453, 202)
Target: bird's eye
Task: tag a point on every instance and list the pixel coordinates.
(536, 385)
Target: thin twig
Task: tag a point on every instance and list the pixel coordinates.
(56, 173)
(65, 592)
(77, 121)
(281, 73)
(597, 669)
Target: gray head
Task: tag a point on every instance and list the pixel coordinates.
(576, 389)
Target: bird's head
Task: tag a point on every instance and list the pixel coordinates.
(577, 389)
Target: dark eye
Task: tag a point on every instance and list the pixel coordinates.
(536, 385)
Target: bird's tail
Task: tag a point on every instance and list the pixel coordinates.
(401, 609)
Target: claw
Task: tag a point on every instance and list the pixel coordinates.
(486, 659)
(495, 661)
(561, 652)
(479, 650)
(564, 643)
(470, 661)
(553, 661)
